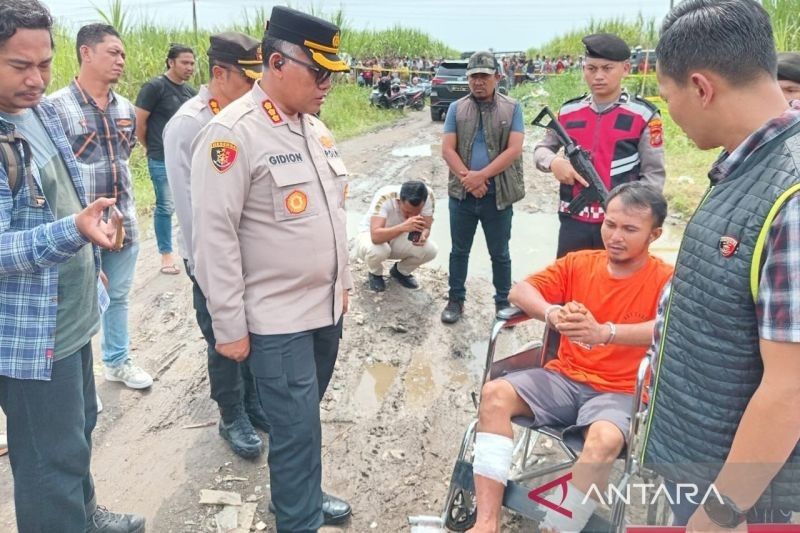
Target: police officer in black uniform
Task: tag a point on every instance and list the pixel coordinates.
(622, 132)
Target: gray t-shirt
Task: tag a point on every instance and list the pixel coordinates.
(78, 317)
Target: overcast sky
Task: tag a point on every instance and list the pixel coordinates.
(462, 24)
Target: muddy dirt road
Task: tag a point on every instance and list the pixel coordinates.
(398, 403)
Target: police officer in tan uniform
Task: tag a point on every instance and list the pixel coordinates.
(234, 66)
(270, 251)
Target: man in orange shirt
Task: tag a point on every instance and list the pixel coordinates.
(603, 302)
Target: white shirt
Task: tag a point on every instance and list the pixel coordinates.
(386, 204)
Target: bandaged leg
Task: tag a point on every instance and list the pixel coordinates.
(493, 456)
(574, 502)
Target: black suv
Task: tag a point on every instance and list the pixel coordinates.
(643, 61)
(450, 84)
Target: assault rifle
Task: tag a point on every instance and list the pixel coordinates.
(596, 191)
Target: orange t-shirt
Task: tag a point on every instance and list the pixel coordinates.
(583, 277)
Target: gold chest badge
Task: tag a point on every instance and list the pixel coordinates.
(296, 202)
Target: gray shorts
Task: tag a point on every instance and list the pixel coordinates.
(560, 402)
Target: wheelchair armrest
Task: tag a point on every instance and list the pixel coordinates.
(511, 316)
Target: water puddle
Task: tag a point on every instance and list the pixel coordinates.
(375, 383)
(419, 150)
(534, 239)
(421, 382)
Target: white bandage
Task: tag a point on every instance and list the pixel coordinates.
(574, 502)
(493, 456)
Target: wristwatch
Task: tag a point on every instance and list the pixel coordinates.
(723, 512)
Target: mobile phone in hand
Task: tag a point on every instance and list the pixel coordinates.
(115, 217)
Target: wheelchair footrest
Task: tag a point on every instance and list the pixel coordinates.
(516, 499)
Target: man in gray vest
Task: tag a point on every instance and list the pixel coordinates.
(482, 146)
(723, 404)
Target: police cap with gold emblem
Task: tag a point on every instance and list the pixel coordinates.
(319, 38)
(789, 66)
(606, 46)
(238, 50)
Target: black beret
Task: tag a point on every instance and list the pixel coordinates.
(318, 37)
(606, 46)
(238, 50)
(789, 66)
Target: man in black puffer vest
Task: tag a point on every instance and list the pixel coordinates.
(726, 391)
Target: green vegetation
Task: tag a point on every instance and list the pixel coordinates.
(785, 23)
(636, 32)
(346, 112)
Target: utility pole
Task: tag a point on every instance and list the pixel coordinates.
(194, 17)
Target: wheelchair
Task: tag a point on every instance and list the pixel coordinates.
(527, 464)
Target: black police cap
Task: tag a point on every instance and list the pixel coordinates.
(238, 50)
(789, 66)
(318, 37)
(606, 46)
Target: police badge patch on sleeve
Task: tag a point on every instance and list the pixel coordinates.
(223, 155)
(656, 132)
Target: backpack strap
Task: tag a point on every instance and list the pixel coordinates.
(11, 160)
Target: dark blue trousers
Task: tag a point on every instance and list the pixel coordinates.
(464, 217)
(50, 427)
(292, 372)
(228, 380)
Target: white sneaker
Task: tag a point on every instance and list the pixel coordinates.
(99, 404)
(129, 374)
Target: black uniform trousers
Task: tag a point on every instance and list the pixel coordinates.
(574, 235)
(292, 372)
(228, 380)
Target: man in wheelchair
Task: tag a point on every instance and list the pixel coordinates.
(603, 303)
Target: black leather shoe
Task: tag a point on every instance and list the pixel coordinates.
(334, 510)
(409, 282)
(256, 414)
(104, 521)
(499, 306)
(452, 312)
(240, 435)
(376, 283)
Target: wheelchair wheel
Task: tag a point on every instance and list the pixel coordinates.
(461, 511)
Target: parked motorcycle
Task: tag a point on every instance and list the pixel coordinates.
(389, 95)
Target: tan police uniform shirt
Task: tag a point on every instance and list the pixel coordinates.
(270, 241)
(179, 133)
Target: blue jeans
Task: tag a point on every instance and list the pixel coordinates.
(683, 511)
(464, 217)
(119, 268)
(50, 427)
(162, 216)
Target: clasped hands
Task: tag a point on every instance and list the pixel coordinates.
(475, 182)
(578, 324)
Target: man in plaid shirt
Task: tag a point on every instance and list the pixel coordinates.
(48, 293)
(100, 125)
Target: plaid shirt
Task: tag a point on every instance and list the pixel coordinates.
(778, 303)
(102, 141)
(32, 244)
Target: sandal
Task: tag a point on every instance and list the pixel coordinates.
(170, 269)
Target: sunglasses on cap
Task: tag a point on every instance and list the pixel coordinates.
(321, 75)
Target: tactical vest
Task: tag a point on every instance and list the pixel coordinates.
(612, 138)
(709, 361)
(496, 117)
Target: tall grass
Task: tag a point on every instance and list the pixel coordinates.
(640, 31)
(785, 15)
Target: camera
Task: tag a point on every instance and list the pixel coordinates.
(414, 236)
